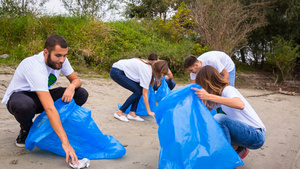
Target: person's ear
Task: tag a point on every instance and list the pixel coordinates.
(46, 52)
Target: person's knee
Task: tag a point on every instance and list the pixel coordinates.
(81, 96)
(220, 118)
(171, 84)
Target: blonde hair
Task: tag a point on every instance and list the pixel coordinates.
(211, 80)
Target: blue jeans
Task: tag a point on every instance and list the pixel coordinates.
(119, 77)
(231, 78)
(239, 133)
(171, 85)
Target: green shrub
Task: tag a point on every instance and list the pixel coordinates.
(93, 44)
(283, 57)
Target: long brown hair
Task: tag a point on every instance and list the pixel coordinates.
(159, 69)
(211, 80)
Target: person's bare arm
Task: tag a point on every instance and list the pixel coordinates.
(193, 81)
(70, 90)
(225, 74)
(55, 122)
(146, 101)
(169, 75)
(234, 102)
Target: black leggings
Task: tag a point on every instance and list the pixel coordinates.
(24, 105)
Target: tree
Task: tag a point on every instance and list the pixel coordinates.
(283, 20)
(147, 8)
(20, 7)
(283, 56)
(179, 26)
(153, 8)
(89, 8)
(224, 24)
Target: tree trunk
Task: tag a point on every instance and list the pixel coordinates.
(243, 57)
(23, 7)
(262, 60)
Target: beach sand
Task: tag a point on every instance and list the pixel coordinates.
(280, 114)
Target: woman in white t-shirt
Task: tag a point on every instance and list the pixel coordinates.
(136, 75)
(240, 123)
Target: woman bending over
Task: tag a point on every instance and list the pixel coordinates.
(137, 75)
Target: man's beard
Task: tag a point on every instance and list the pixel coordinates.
(52, 64)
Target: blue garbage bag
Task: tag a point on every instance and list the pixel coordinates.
(162, 91)
(83, 134)
(189, 136)
(141, 108)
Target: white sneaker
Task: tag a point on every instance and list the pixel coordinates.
(121, 118)
(137, 118)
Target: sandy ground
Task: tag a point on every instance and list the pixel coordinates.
(280, 114)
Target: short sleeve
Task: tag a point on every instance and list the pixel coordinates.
(145, 75)
(193, 76)
(230, 92)
(36, 77)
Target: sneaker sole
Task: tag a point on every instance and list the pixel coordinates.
(132, 118)
(245, 153)
(116, 116)
(20, 145)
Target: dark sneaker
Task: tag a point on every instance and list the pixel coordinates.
(21, 138)
(242, 152)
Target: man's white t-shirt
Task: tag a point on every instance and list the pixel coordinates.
(247, 115)
(216, 59)
(136, 70)
(33, 74)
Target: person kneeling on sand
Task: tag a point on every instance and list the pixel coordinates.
(240, 123)
(136, 75)
(29, 91)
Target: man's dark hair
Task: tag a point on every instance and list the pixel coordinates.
(54, 40)
(189, 61)
(152, 56)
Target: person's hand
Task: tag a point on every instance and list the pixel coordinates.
(201, 93)
(70, 152)
(151, 114)
(68, 94)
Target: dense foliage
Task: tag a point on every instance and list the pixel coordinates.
(93, 44)
(96, 45)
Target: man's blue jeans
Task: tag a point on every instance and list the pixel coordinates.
(119, 77)
(231, 78)
(239, 133)
(171, 84)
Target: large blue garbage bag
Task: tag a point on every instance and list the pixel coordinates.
(141, 109)
(162, 91)
(189, 136)
(82, 132)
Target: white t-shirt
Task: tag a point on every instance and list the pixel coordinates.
(33, 74)
(247, 115)
(216, 59)
(136, 70)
